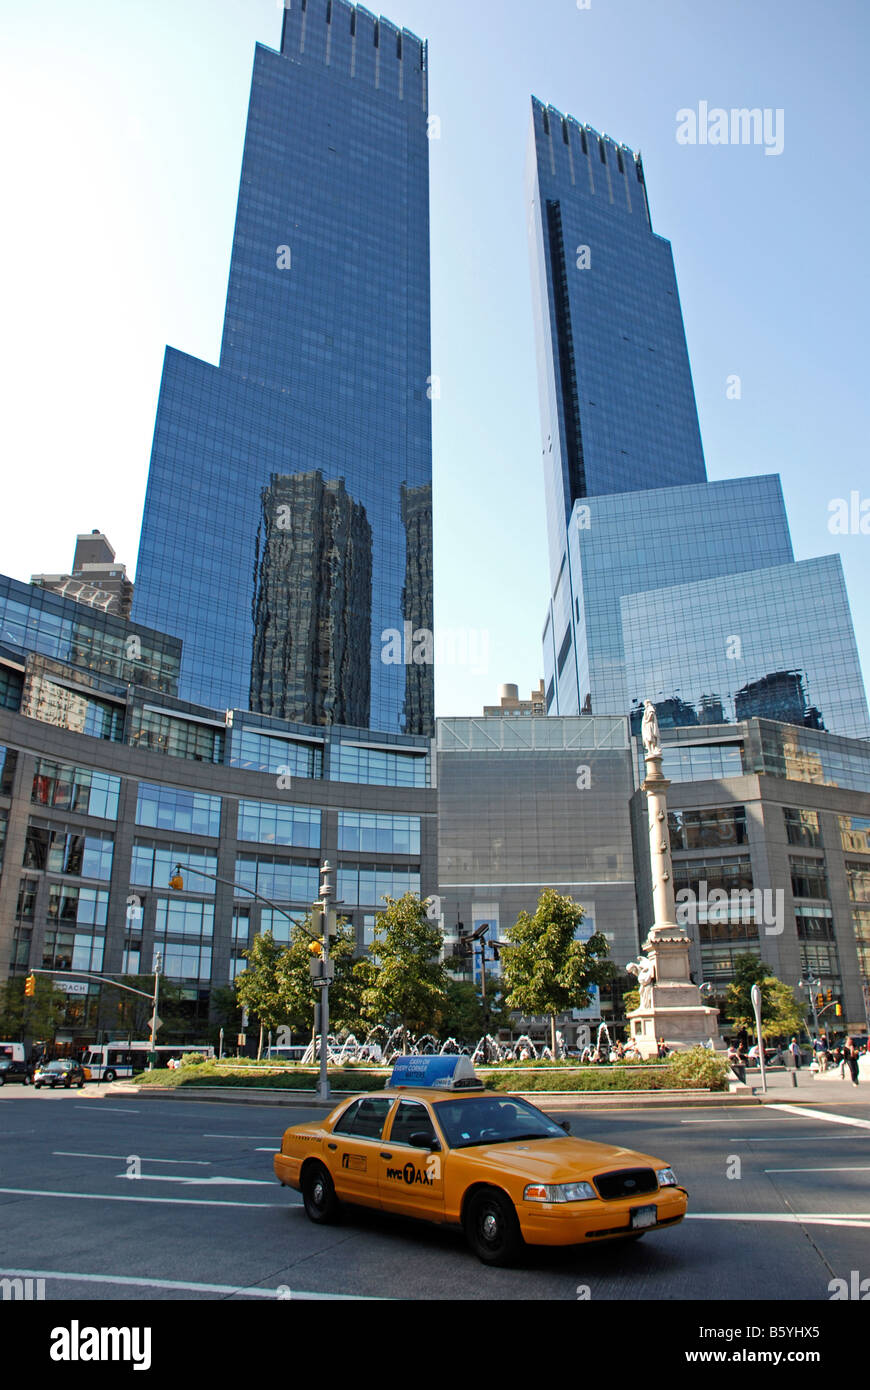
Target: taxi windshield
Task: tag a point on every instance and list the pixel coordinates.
(492, 1120)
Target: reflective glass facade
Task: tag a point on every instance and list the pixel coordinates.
(633, 542)
(36, 620)
(663, 586)
(617, 403)
(769, 643)
(305, 457)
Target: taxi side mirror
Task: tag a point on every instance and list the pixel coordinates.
(421, 1140)
(566, 1125)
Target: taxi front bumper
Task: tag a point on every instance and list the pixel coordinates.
(579, 1223)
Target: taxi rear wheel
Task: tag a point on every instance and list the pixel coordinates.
(318, 1194)
(491, 1227)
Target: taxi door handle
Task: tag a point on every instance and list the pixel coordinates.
(332, 1146)
(383, 1155)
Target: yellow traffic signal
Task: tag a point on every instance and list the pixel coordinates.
(177, 882)
(820, 999)
(316, 948)
(30, 986)
(838, 1010)
(830, 996)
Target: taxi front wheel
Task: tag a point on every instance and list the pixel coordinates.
(318, 1194)
(491, 1227)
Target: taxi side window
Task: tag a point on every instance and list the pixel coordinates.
(364, 1119)
(411, 1118)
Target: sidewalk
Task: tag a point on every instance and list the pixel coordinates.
(804, 1087)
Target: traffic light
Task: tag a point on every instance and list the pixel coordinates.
(830, 996)
(820, 999)
(176, 883)
(838, 1010)
(30, 986)
(316, 948)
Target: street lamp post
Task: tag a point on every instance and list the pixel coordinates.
(812, 985)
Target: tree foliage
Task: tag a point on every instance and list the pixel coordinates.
(547, 971)
(38, 1018)
(408, 981)
(462, 1015)
(780, 1011)
(299, 994)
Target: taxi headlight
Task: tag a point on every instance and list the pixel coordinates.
(666, 1177)
(560, 1192)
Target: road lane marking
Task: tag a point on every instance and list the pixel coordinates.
(160, 1201)
(199, 1182)
(817, 1170)
(183, 1285)
(785, 1218)
(822, 1115)
(188, 1162)
(106, 1110)
(790, 1138)
(238, 1136)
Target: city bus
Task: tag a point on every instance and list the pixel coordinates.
(109, 1061)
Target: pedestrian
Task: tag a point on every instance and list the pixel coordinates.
(850, 1057)
(795, 1050)
(736, 1062)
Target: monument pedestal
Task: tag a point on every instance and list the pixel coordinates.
(670, 1004)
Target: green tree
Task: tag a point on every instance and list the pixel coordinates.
(780, 1011)
(38, 1018)
(347, 1010)
(547, 971)
(463, 1016)
(258, 987)
(408, 982)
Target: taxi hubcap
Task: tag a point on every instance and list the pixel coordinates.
(490, 1226)
(318, 1193)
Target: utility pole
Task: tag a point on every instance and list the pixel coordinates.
(327, 893)
(158, 966)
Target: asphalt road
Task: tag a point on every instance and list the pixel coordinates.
(779, 1207)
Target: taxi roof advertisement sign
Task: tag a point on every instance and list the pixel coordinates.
(442, 1073)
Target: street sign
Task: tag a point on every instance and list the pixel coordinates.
(241, 1040)
(154, 1023)
(322, 971)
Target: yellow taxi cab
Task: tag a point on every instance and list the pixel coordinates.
(435, 1145)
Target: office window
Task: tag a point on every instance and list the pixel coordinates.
(809, 877)
(153, 865)
(271, 823)
(708, 829)
(76, 789)
(858, 874)
(802, 827)
(372, 833)
(168, 808)
(380, 767)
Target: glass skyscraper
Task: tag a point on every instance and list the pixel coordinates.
(287, 526)
(663, 586)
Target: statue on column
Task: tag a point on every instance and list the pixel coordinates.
(650, 728)
(645, 972)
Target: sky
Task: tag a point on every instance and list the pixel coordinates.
(122, 132)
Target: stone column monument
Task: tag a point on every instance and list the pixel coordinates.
(670, 1005)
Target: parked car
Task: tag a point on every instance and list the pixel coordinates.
(59, 1073)
(15, 1071)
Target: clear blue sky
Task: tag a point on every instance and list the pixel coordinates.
(123, 126)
